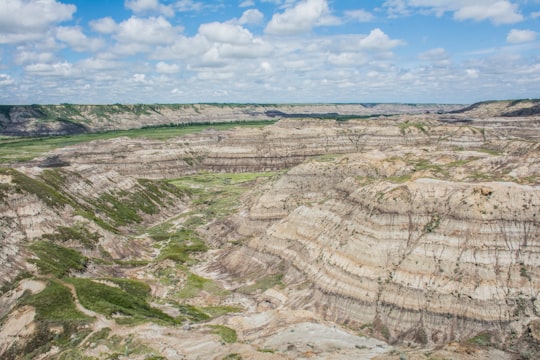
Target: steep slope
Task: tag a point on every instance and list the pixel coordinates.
(418, 259)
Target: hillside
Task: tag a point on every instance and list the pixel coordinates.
(408, 236)
(38, 120)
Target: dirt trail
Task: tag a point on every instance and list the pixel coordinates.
(101, 321)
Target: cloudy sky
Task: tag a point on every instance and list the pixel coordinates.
(268, 51)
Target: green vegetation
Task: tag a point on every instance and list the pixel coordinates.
(227, 334)
(112, 301)
(263, 284)
(179, 245)
(482, 339)
(55, 303)
(133, 287)
(233, 356)
(22, 183)
(78, 233)
(406, 125)
(57, 260)
(195, 284)
(58, 323)
(216, 195)
(192, 313)
(14, 149)
(216, 311)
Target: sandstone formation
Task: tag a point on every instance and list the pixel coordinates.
(421, 230)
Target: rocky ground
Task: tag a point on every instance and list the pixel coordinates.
(414, 236)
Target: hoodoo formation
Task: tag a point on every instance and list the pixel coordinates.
(331, 232)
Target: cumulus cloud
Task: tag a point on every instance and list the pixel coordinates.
(64, 69)
(104, 25)
(149, 6)
(516, 36)
(251, 16)
(77, 40)
(301, 18)
(225, 33)
(164, 68)
(497, 11)
(149, 31)
(5, 80)
(379, 41)
(23, 20)
(246, 3)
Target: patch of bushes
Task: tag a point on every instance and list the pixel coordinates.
(57, 260)
(263, 284)
(180, 245)
(55, 303)
(112, 301)
(227, 334)
(196, 284)
(76, 233)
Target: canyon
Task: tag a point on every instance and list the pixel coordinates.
(333, 232)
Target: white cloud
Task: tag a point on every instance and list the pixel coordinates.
(347, 59)
(225, 33)
(251, 16)
(5, 80)
(147, 31)
(359, 15)
(379, 41)
(78, 41)
(189, 5)
(140, 78)
(64, 69)
(149, 6)
(104, 25)
(500, 12)
(472, 73)
(497, 11)
(23, 20)
(301, 18)
(247, 3)
(520, 36)
(164, 68)
(24, 56)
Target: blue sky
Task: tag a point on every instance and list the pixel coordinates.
(268, 51)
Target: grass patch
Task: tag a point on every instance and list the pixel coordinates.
(133, 287)
(482, 339)
(77, 233)
(192, 313)
(404, 126)
(57, 260)
(55, 303)
(24, 184)
(216, 311)
(227, 334)
(112, 301)
(179, 245)
(263, 284)
(195, 284)
(216, 195)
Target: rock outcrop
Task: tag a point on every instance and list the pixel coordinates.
(416, 229)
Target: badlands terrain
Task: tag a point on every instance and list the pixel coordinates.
(270, 232)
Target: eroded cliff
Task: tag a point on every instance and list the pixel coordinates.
(420, 230)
